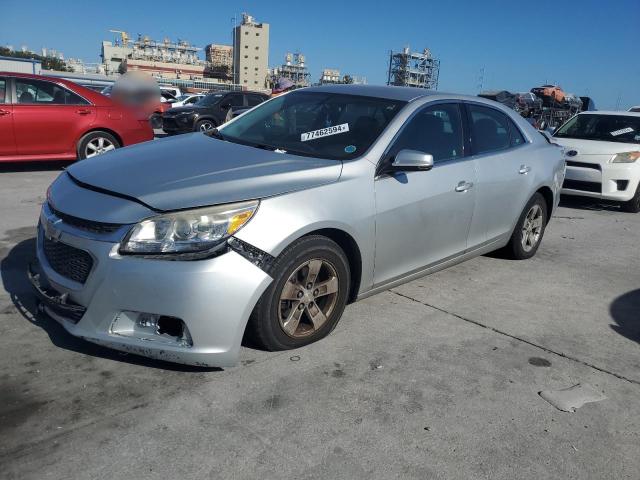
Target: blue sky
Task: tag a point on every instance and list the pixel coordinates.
(589, 47)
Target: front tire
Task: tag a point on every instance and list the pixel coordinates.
(96, 143)
(307, 297)
(529, 230)
(205, 125)
(633, 205)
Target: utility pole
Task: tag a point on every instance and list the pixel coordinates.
(233, 43)
(480, 84)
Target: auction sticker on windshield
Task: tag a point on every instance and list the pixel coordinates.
(622, 131)
(324, 132)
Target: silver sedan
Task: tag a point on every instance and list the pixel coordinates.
(269, 226)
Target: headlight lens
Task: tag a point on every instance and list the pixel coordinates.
(625, 157)
(188, 231)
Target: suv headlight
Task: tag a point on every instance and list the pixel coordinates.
(625, 157)
(188, 231)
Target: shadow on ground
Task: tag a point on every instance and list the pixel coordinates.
(587, 203)
(625, 311)
(14, 278)
(34, 166)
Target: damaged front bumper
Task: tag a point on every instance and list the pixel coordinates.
(212, 298)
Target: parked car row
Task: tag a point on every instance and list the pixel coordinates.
(210, 111)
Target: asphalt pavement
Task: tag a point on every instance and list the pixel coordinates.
(438, 378)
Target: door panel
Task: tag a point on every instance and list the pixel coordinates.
(421, 219)
(48, 119)
(504, 179)
(7, 138)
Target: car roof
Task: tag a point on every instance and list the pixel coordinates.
(612, 112)
(381, 91)
(94, 97)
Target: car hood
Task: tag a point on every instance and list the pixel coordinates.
(195, 170)
(595, 147)
(184, 109)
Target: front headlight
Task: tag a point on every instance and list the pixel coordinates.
(188, 231)
(625, 157)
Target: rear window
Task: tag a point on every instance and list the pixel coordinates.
(604, 128)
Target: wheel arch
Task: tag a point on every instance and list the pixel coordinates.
(100, 129)
(351, 249)
(547, 193)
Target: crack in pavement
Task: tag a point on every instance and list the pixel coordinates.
(520, 339)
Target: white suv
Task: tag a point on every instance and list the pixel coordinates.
(603, 156)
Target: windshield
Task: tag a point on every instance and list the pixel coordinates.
(604, 128)
(316, 124)
(210, 100)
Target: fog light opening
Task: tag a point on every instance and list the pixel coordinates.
(176, 328)
(152, 327)
(622, 184)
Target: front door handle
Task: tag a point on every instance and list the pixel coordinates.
(4, 112)
(83, 111)
(524, 169)
(463, 186)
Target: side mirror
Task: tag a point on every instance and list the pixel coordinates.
(412, 160)
(225, 105)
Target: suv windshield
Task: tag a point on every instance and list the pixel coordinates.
(604, 128)
(210, 100)
(315, 124)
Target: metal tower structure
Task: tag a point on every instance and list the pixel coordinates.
(412, 69)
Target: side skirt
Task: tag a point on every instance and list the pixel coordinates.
(490, 246)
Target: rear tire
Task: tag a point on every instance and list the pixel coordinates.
(155, 120)
(633, 205)
(96, 143)
(529, 230)
(307, 297)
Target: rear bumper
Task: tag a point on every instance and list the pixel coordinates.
(609, 181)
(214, 298)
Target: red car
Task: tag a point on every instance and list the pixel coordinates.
(44, 118)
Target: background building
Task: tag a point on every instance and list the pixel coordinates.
(293, 69)
(251, 53)
(411, 69)
(220, 61)
(330, 75)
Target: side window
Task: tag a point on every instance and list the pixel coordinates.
(44, 93)
(73, 99)
(235, 100)
(3, 90)
(255, 100)
(489, 129)
(516, 136)
(435, 130)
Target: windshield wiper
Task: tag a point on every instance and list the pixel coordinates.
(214, 132)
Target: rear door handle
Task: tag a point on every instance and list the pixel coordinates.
(463, 186)
(4, 112)
(524, 169)
(83, 111)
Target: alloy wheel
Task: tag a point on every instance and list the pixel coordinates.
(308, 298)
(98, 146)
(206, 126)
(532, 228)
